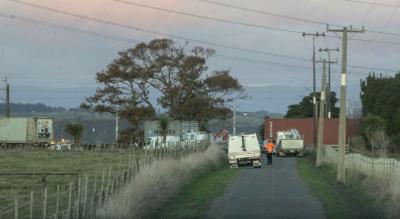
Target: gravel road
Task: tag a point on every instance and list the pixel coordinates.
(270, 192)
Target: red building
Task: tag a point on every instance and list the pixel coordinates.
(305, 127)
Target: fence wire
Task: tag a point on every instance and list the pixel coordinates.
(80, 198)
(379, 167)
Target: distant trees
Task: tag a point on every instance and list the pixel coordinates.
(174, 73)
(305, 109)
(380, 96)
(75, 131)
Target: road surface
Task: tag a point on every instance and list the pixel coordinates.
(270, 192)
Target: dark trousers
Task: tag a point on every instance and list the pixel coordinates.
(269, 157)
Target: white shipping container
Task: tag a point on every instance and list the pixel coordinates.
(26, 130)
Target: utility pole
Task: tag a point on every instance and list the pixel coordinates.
(341, 169)
(7, 99)
(117, 124)
(314, 35)
(321, 116)
(234, 122)
(328, 85)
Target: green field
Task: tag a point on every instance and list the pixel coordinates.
(339, 201)
(20, 187)
(195, 198)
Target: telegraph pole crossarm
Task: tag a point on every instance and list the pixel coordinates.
(314, 35)
(341, 169)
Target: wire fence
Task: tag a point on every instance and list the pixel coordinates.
(379, 167)
(81, 197)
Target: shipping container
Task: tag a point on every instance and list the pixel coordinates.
(27, 130)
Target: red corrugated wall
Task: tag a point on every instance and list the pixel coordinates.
(305, 127)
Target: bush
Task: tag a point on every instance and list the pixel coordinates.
(380, 143)
(358, 145)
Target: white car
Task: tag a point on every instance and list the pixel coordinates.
(60, 147)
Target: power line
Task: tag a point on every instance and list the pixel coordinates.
(267, 13)
(367, 14)
(370, 3)
(207, 17)
(187, 14)
(388, 21)
(122, 39)
(262, 62)
(117, 38)
(248, 24)
(288, 17)
(160, 33)
(67, 28)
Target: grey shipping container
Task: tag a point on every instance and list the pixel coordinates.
(26, 130)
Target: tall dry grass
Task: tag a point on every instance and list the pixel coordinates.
(157, 182)
(382, 181)
(386, 192)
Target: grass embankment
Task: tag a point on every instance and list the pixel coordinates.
(179, 183)
(339, 201)
(194, 200)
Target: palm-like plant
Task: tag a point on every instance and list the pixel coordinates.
(75, 131)
(163, 126)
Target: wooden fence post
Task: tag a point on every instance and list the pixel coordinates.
(31, 206)
(78, 199)
(94, 195)
(108, 181)
(45, 203)
(100, 201)
(16, 208)
(69, 200)
(57, 201)
(85, 196)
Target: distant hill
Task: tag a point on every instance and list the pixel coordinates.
(100, 128)
(29, 108)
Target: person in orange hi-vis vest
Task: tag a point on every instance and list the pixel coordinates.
(269, 148)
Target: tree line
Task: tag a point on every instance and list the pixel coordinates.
(380, 99)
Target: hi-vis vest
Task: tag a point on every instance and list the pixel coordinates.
(269, 147)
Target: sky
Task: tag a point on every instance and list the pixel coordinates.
(58, 67)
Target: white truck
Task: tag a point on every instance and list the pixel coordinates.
(289, 142)
(244, 149)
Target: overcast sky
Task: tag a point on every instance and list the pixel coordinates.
(58, 67)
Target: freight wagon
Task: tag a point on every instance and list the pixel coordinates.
(27, 130)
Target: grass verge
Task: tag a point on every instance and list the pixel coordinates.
(194, 199)
(339, 201)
